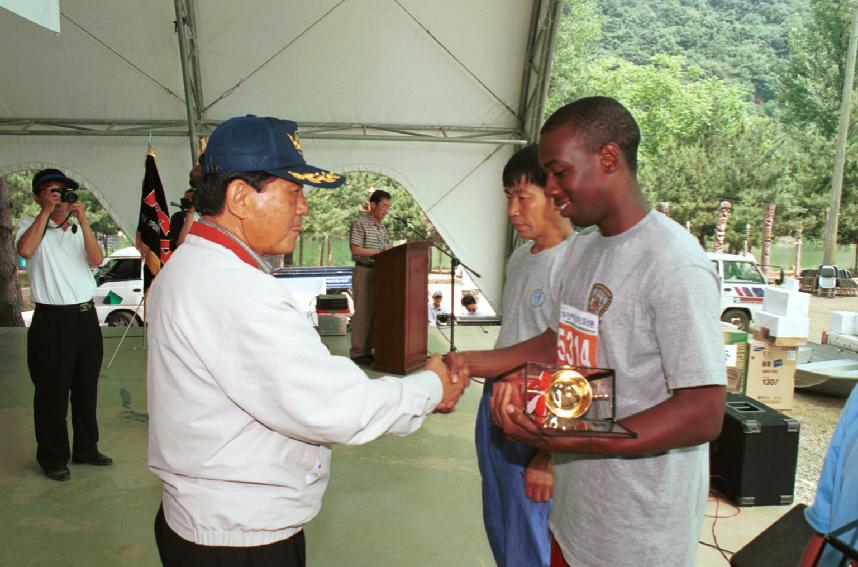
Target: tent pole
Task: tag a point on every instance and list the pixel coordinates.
(181, 23)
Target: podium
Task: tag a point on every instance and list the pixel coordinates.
(400, 318)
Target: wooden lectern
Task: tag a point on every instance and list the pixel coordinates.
(401, 308)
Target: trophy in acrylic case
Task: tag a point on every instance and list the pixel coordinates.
(567, 400)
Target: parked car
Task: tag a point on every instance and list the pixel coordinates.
(119, 296)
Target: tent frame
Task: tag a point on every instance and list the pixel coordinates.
(545, 17)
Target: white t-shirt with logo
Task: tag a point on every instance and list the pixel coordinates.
(531, 292)
(645, 304)
(58, 269)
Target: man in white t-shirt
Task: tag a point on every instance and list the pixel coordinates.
(517, 479)
(619, 500)
(64, 346)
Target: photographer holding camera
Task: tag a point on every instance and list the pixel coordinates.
(182, 220)
(64, 348)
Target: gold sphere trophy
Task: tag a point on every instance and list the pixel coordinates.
(567, 400)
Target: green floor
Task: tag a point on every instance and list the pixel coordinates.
(398, 501)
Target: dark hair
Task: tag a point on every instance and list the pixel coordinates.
(210, 194)
(524, 166)
(378, 195)
(598, 121)
(469, 300)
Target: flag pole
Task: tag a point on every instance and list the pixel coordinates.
(127, 328)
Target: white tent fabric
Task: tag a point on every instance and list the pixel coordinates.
(46, 13)
(408, 62)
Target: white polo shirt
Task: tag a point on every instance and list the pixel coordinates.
(59, 272)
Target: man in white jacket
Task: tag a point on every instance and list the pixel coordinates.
(244, 398)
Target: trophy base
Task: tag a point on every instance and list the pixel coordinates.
(553, 425)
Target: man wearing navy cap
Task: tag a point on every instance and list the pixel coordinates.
(64, 347)
(244, 398)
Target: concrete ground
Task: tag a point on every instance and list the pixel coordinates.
(413, 500)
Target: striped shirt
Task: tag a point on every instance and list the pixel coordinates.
(367, 233)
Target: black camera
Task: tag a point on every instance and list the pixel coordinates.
(66, 195)
(185, 204)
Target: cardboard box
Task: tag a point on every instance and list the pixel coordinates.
(844, 322)
(786, 303)
(846, 342)
(771, 374)
(780, 326)
(736, 358)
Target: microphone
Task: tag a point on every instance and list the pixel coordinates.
(400, 220)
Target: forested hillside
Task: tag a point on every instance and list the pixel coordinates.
(737, 100)
(743, 40)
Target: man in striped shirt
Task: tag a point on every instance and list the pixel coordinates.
(367, 237)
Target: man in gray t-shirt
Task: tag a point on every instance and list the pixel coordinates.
(639, 297)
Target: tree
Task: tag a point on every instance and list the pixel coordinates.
(812, 83)
(813, 76)
(735, 40)
(10, 293)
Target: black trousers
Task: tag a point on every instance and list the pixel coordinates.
(64, 352)
(177, 552)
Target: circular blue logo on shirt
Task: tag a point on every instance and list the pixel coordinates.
(537, 297)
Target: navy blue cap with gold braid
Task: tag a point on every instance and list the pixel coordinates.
(253, 143)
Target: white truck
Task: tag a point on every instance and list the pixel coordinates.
(743, 288)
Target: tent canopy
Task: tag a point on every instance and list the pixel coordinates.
(436, 95)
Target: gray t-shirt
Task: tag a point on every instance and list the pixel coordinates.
(531, 293)
(656, 297)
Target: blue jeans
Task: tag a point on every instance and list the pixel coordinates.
(517, 527)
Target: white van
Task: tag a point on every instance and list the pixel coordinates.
(118, 298)
(743, 288)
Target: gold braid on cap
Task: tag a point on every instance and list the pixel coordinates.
(320, 177)
(296, 142)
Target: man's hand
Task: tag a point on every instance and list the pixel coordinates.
(48, 200)
(457, 367)
(506, 405)
(539, 477)
(78, 209)
(452, 391)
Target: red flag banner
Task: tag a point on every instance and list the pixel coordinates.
(154, 223)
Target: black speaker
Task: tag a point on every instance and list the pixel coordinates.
(753, 461)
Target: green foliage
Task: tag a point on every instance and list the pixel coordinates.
(333, 210)
(735, 40)
(21, 195)
(693, 73)
(813, 76)
(810, 100)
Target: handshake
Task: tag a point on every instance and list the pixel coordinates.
(454, 379)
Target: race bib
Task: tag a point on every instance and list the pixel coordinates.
(577, 337)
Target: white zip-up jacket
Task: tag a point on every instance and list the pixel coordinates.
(244, 399)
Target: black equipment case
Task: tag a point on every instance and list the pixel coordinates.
(753, 461)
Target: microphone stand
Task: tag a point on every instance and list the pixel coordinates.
(454, 262)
